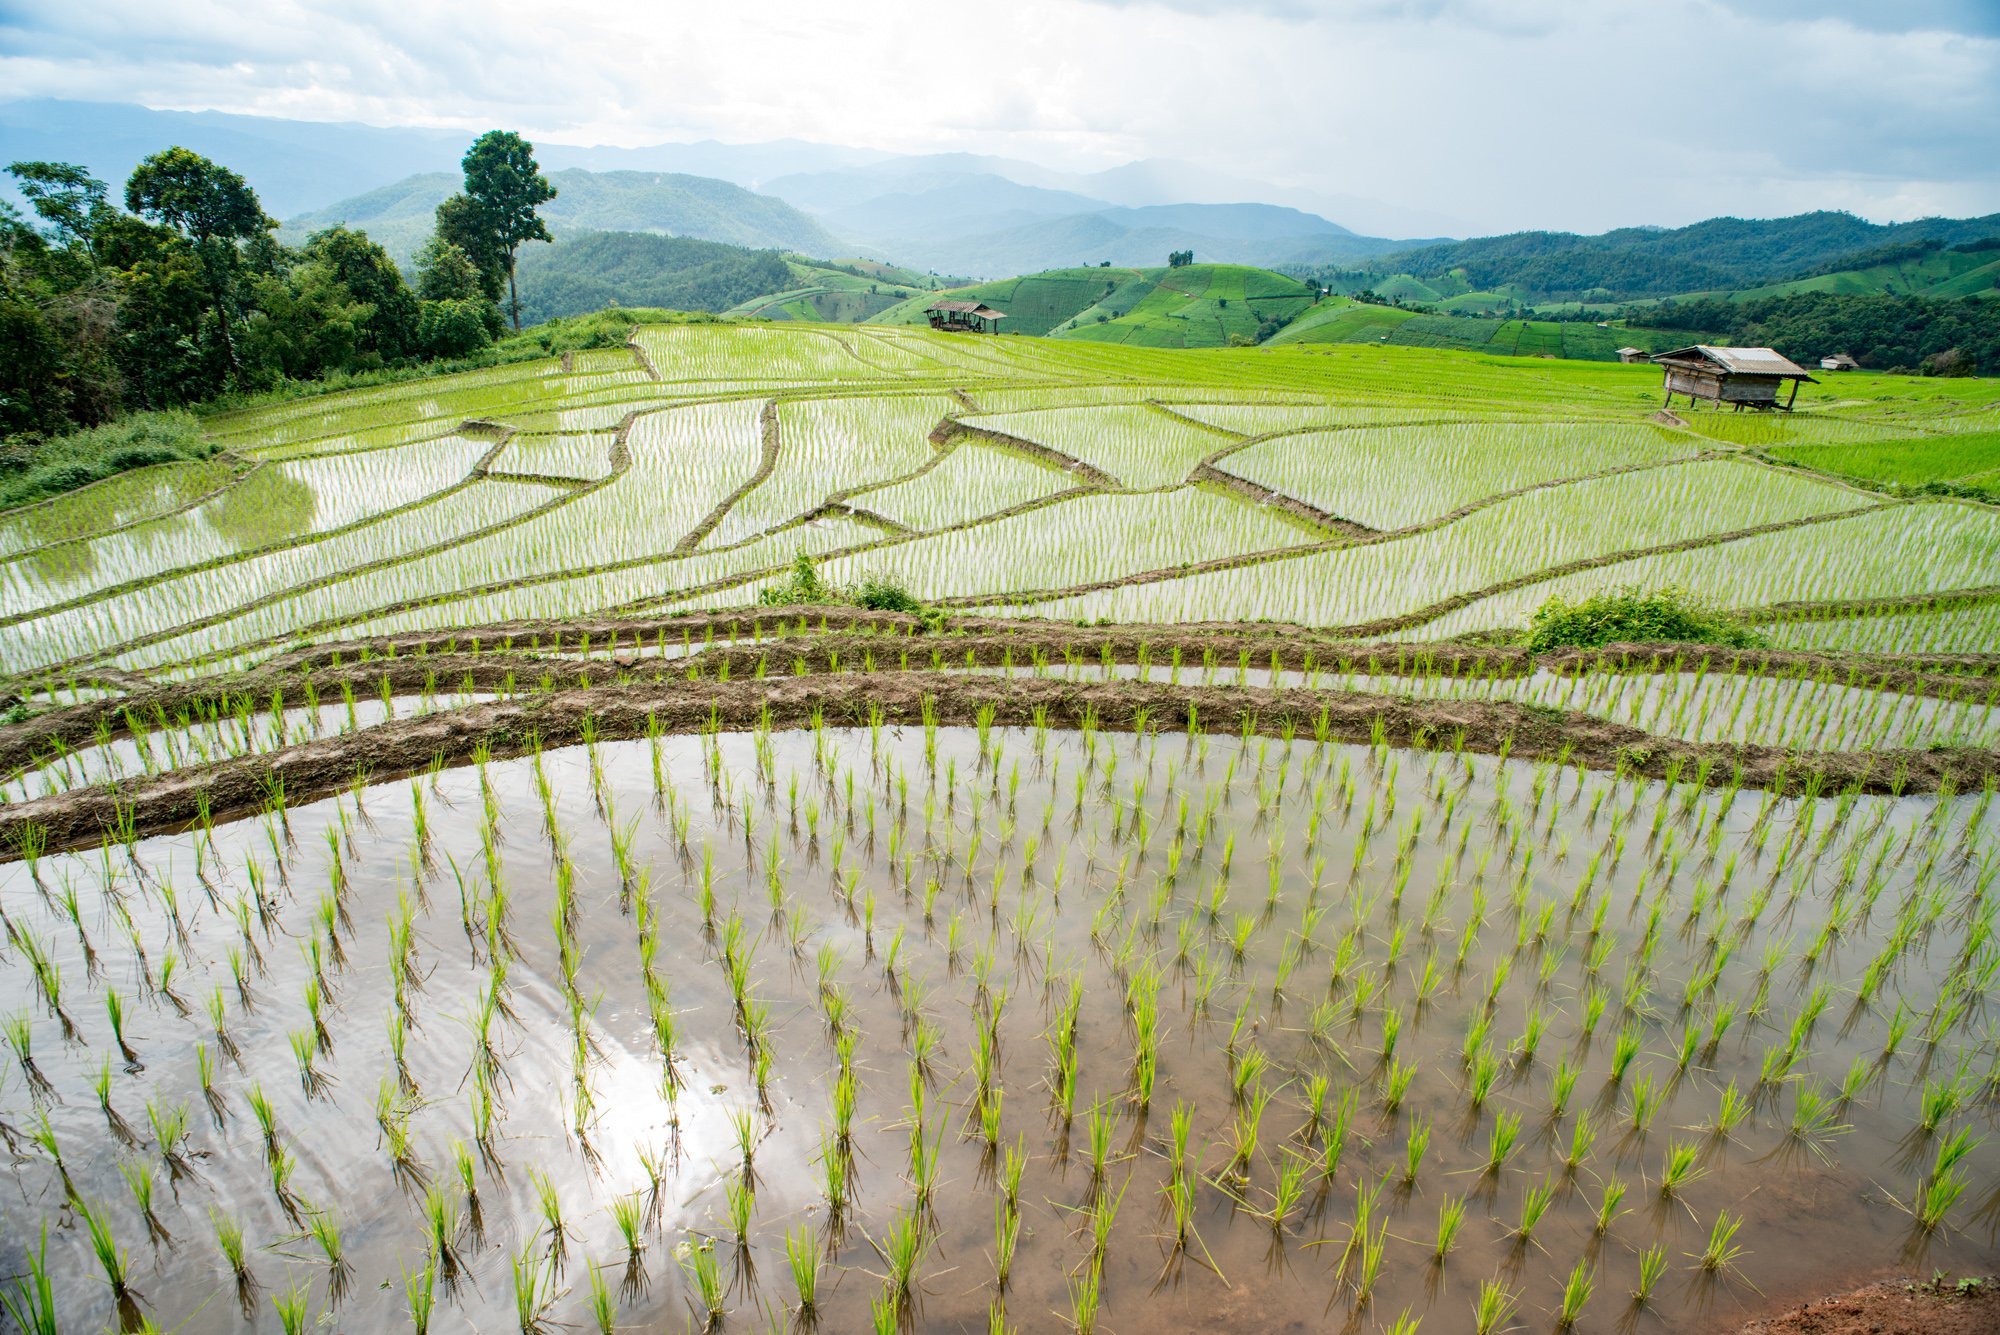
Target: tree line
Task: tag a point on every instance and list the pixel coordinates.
(1929, 335)
(184, 295)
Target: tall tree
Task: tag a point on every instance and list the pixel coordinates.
(212, 207)
(370, 276)
(65, 196)
(446, 273)
(504, 188)
(462, 225)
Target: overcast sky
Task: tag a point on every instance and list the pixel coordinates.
(1575, 114)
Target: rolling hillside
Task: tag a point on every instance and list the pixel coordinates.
(1343, 320)
(1197, 306)
(1933, 272)
(399, 216)
(835, 292)
(1257, 234)
(588, 271)
(1717, 254)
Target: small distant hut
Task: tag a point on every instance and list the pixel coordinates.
(1840, 361)
(1740, 377)
(955, 316)
(1631, 355)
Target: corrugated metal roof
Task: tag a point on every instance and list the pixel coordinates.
(1739, 361)
(1754, 361)
(957, 306)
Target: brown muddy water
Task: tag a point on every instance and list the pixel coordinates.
(1452, 935)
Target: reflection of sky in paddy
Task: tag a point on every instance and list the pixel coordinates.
(1800, 1212)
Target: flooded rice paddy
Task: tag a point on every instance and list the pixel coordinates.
(983, 1029)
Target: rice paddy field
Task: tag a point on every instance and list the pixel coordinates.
(437, 896)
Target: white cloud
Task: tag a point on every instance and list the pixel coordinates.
(1532, 113)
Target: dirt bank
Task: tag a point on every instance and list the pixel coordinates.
(164, 802)
(1892, 1307)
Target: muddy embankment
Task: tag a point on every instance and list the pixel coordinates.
(677, 705)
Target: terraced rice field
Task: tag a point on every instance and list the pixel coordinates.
(437, 897)
(538, 476)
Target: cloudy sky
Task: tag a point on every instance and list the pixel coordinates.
(1489, 114)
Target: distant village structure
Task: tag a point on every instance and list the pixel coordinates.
(1840, 361)
(955, 316)
(1633, 355)
(1740, 377)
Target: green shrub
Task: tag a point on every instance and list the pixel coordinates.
(1634, 615)
(803, 585)
(35, 470)
(882, 595)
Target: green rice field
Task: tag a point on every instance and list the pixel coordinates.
(442, 892)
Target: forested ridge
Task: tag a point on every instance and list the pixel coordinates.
(1715, 254)
(1882, 333)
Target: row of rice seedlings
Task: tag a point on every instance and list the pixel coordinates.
(1099, 1156)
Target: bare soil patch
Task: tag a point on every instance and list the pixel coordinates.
(1891, 1307)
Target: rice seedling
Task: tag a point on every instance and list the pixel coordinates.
(901, 1247)
(1418, 1141)
(32, 1303)
(420, 1294)
(1681, 1167)
(549, 1201)
(803, 1258)
(741, 1197)
(1492, 1309)
(1582, 1282)
(1722, 1252)
(20, 1037)
(1608, 1206)
(1501, 1141)
(111, 1258)
(1451, 1217)
(1534, 1206)
(1085, 1295)
(533, 1291)
(628, 1214)
(294, 1308)
(323, 1225)
(441, 1232)
(229, 1239)
(139, 1177)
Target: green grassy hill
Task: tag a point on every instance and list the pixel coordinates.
(1343, 320)
(1197, 306)
(589, 271)
(1941, 273)
(835, 292)
(1035, 303)
(399, 217)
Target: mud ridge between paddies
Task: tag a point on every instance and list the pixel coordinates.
(897, 677)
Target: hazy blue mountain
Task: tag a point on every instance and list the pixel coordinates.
(957, 212)
(299, 166)
(293, 165)
(1262, 234)
(400, 216)
(1718, 253)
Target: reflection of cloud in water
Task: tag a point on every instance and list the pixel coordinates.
(631, 1118)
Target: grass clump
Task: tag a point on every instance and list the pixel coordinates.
(36, 470)
(1634, 615)
(804, 585)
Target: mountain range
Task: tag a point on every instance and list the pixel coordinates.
(400, 216)
(952, 213)
(970, 215)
